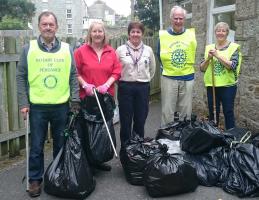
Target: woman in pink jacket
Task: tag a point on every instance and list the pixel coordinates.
(97, 66)
(97, 63)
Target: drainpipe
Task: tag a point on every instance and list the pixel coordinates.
(161, 14)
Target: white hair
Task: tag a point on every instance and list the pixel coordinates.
(177, 8)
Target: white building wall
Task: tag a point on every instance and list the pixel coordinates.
(59, 8)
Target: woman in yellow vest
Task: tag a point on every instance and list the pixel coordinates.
(225, 58)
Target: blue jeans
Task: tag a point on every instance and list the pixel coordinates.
(226, 96)
(133, 100)
(40, 116)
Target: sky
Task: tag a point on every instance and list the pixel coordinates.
(121, 7)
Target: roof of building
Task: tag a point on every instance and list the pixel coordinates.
(97, 10)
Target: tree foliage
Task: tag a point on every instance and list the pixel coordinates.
(148, 13)
(16, 12)
(9, 23)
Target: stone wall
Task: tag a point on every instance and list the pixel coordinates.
(199, 22)
(247, 35)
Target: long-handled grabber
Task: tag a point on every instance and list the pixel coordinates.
(213, 91)
(108, 131)
(27, 150)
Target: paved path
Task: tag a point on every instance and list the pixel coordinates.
(109, 185)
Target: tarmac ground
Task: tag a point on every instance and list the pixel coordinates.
(109, 185)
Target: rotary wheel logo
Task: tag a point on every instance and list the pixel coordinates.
(50, 81)
(218, 68)
(178, 58)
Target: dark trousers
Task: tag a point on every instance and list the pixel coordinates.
(40, 116)
(226, 97)
(133, 100)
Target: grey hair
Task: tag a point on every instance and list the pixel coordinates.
(223, 25)
(177, 8)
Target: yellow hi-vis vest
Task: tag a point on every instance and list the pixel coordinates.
(48, 74)
(222, 75)
(177, 52)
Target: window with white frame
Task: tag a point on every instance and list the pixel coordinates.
(221, 11)
(69, 29)
(69, 14)
(220, 3)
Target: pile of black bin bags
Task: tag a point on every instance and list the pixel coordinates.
(86, 144)
(186, 154)
(148, 162)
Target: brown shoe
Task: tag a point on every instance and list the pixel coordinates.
(35, 189)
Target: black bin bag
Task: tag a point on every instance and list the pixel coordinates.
(243, 179)
(201, 137)
(212, 168)
(133, 158)
(169, 174)
(97, 143)
(171, 131)
(238, 133)
(69, 175)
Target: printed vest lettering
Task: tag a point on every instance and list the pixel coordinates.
(48, 74)
(177, 52)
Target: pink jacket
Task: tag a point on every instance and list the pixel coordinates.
(95, 71)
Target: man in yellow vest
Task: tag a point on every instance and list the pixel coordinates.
(176, 52)
(46, 82)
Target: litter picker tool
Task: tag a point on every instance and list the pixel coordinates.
(108, 131)
(213, 91)
(27, 150)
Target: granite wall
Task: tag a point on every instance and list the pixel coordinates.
(247, 35)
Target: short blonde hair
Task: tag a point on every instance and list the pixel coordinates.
(177, 8)
(222, 25)
(88, 38)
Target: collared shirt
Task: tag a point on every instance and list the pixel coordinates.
(141, 71)
(135, 52)
(44, 44)
(172, 32)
